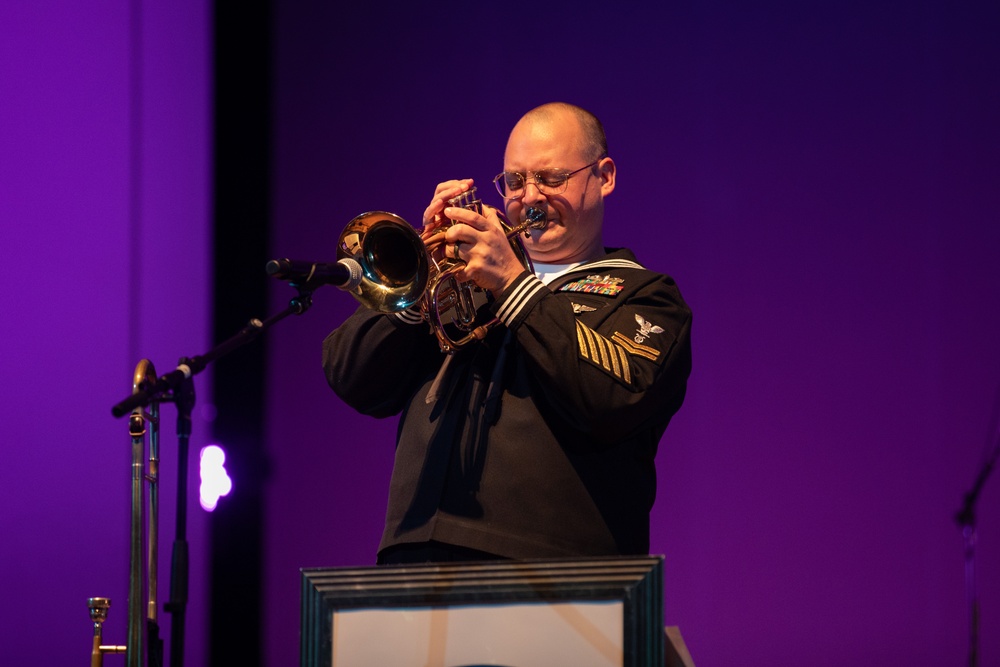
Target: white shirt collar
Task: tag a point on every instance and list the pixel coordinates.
(549, 272)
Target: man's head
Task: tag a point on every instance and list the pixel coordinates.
(548, 143)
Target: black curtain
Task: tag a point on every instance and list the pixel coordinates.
(242, 204)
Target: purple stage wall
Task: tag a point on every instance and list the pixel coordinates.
(105, 190)
(821, 180)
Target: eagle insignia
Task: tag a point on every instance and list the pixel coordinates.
(645, 329)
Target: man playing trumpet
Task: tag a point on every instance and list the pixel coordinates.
(539, 440)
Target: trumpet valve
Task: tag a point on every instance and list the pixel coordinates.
(467, 200)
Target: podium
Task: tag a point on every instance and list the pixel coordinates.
(542, 613)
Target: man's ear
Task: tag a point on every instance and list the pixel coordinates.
(606, 171)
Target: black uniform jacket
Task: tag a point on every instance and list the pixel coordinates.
(539, 441)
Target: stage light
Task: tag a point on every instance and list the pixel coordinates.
(215, 481)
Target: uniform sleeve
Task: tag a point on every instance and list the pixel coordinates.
(615, 366)
(375, 361)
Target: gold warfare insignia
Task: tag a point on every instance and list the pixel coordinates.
(603, 285)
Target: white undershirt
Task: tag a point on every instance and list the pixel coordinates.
(549, 272)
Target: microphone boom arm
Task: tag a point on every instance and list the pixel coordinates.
(170, 381)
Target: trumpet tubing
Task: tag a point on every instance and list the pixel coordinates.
(400, 269)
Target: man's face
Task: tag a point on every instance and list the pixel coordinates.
(575, 216)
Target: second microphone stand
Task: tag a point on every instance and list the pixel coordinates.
(177, 386)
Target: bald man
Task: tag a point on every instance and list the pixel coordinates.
(539, 441)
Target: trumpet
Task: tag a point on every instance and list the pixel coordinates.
(399, 269)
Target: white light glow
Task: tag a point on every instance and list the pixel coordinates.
(215, 482)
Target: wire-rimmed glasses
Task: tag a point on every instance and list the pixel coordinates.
(512, 184)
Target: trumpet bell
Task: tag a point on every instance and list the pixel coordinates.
(393, 259)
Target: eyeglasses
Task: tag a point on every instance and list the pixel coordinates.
(512, 184)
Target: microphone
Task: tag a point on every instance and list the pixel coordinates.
(345, 274)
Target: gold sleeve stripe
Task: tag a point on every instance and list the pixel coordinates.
(602, 352)
(623, 355)
(634, 348)
(587, 349)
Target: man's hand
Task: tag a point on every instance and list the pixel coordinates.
(444, 191)
(482, 243)
(481, 239)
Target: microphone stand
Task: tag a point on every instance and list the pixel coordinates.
(966, 519)
(178, 386)
(172, 380)
(177, 605)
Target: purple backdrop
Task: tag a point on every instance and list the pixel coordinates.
(821, 181)
(105, 214)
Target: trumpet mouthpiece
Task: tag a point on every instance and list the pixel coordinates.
(535, 217)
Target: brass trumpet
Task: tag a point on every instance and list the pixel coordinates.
(399, 269)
